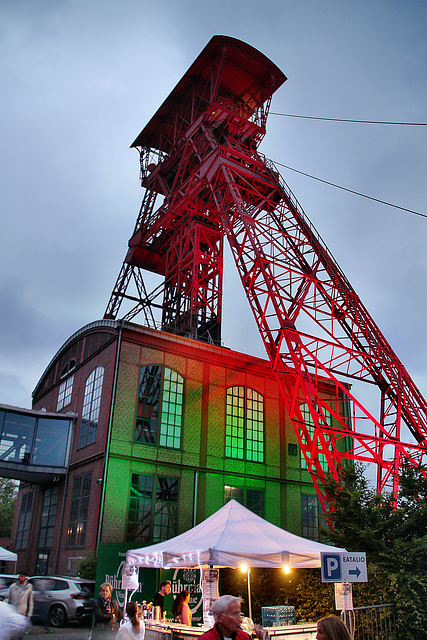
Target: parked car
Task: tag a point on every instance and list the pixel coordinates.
(64, 599)
(6, 580)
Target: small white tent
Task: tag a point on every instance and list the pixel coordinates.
(232, 536)
(7, 555)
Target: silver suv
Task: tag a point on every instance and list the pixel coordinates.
(62, 599)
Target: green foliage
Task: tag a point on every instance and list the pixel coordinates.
(86, 567)
(394, 536)
(8, 494)
(302, 588)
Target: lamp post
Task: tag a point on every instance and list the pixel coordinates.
(245, 569)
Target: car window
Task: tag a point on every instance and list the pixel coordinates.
(59, 585)
(86, 586)
(6, 581)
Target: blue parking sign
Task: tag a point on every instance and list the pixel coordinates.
(331, 567)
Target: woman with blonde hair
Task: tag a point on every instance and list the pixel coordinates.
(106, 612)
(332, 628)
(134, 628)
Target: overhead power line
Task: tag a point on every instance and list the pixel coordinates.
(357, 193)
(293, 115)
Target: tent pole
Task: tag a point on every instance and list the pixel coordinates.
(249, 594)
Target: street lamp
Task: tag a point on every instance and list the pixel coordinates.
(245, 569)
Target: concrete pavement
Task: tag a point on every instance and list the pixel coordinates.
(75, 632)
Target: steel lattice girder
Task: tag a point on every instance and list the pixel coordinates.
(315, 329)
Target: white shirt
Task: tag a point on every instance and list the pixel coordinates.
(128, 632)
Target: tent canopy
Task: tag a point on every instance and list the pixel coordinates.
(232, 536)
(7, 555)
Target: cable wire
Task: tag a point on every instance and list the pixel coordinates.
(292, 115)
(357, 193)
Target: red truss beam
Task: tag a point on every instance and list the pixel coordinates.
(199, 154)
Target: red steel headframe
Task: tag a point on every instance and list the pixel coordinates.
(199, 155)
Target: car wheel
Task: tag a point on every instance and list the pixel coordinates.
(57, 616)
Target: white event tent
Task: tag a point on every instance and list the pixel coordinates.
(232, 536)
(7, 555)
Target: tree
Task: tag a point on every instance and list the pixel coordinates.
(8, 495)
(394, 536)
(86, 567)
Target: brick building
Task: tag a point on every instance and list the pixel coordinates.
(163, 430)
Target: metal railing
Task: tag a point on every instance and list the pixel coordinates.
(376, 622)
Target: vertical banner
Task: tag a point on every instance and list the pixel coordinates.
(188, 579)
(210, 579)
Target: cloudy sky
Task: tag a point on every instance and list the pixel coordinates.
(81, 78)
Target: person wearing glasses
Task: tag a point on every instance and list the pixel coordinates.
(228, 618)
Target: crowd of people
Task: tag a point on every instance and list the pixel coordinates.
(17, 609)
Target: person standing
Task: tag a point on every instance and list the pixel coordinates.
(134, 628)
(159, 598)
(106, 613)
(20, 596)
(332, 628)
(181, 608)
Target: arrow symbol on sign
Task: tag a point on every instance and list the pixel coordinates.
(355, 572)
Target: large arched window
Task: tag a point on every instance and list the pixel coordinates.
(244, 424)
(91, 404)
(160, 407)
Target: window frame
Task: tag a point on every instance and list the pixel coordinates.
(65, 393)
(79, 509)
(242, 414)
(150, 507)
(91, 407)
(236, 492)
(159, 423)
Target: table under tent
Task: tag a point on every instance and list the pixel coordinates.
(230, 537)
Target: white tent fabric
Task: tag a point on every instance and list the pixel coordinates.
(7, 555)
(232, 536)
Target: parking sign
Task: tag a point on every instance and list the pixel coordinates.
(331, 567)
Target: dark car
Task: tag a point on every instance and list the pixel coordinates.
(62, 599)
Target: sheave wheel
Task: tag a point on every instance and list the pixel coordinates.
(57, 616)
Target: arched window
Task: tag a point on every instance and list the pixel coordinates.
(160, 407)
(244, 424)
(90, 411)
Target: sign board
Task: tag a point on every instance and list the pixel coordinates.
(344, 567)
(343, 596)
(129, 577)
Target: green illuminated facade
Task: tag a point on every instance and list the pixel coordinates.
(166, 429)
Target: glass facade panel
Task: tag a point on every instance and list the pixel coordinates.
(79, 509)
(160, 407)
(244, 424)
(153, 508)
(90, 410)
(50, 445)
(17, 437)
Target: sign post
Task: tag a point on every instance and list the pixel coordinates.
(344, 567)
